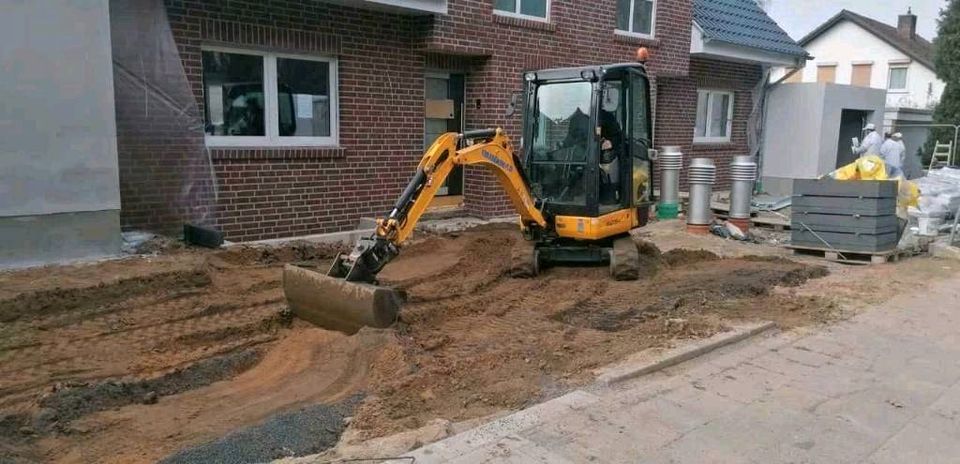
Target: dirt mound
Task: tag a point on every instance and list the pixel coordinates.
(472, 342)
(470, 264)
(80, 301)
(268, 255)
(551, 332)
(683, 257)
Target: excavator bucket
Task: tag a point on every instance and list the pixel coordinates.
(346, 298)
(336, 304)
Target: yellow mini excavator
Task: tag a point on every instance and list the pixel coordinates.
(583, 182)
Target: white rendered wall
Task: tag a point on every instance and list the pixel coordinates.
(846, 44)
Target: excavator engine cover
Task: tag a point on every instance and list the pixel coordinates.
(337, 304)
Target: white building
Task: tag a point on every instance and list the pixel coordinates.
(852, 49)
(855, 50)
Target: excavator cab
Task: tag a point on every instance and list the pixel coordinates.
(587, 157)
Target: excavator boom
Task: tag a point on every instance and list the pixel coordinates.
(347, 297)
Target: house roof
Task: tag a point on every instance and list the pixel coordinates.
(918, 48)
(743, 22)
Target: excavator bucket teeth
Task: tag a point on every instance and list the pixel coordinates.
(336, 304)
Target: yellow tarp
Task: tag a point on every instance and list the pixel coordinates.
(872, 167)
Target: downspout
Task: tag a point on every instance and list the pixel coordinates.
(756, 123)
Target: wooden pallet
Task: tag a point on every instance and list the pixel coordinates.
(774, 223)
(850, 257)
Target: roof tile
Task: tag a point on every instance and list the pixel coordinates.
(743, 22)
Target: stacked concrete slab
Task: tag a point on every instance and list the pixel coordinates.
(853, 216)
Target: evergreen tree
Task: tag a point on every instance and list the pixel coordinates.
(947, 61)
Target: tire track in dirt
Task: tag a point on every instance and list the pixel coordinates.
(78, 301)
(309, 366)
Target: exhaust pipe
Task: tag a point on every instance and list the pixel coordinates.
(671, 161)
(743, 175)
(701, 177)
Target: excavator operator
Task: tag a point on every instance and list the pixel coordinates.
(611, 147)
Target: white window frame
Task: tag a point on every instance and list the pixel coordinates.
(707, 139)
(653, 22)
(517, 14)
(906, 76)
(271, 106)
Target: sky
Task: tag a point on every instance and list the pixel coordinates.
(798, 17)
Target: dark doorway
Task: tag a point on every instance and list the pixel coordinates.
(851, 125)
(444, 94)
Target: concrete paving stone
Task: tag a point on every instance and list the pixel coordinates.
(540, 414)
(766, 433)
(794, 398)
(672, 455)
(900, 317)
(510, 450)
(826, 344)
(744, 384)
(948, 404)
(778, 364)
(735, 355)
(933, 365)
(695, 369)
(950, 342)
(680, 417)
(823, 380)
(868, 342)
(822, 440)
(947, 424)
(808, 354)
(438, 452)
(538, 454)
(880, 411)
(642, 389)
(729, 439)
(916, 443)
(703, 403)
(603, 436)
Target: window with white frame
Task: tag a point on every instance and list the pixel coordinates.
(714, 116)
(268, 99)
(532, 9)
(898, 78)
(636, 17)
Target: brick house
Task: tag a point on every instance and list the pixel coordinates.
(290, 117)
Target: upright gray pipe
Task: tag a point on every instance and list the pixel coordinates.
(701, 176)
(671, 161)
(743, 174)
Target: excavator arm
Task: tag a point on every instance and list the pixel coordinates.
(492, 148)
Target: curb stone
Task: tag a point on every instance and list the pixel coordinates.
(631, 369)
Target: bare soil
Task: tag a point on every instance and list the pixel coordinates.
(144, 358)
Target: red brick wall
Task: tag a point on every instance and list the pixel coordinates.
(260, 193)
(677, 112)
(266, 193)
(578, 33)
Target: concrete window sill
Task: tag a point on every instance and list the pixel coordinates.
(628, 38)
(718, 144)
(524, 23)
(271, 153)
